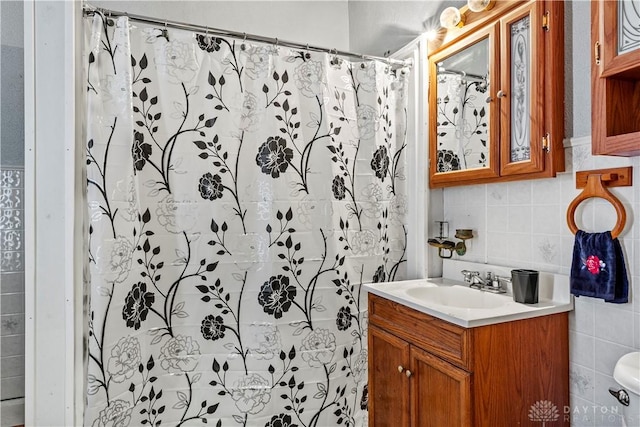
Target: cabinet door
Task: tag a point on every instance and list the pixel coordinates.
(388, 382)
(440, 391)
(615, 77)
(618, 42)
(463, 111)
(521, 91)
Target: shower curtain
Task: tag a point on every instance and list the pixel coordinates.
(239, 195)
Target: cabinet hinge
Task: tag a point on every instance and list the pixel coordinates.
(596, 53)
(546, 141)
(545, 21)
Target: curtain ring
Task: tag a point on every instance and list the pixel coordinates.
(243, 46)
(276, 42)
(165, 32)
(206, 32)
(334, 61)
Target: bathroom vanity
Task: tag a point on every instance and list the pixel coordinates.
(445, 358)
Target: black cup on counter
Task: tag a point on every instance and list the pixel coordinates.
(525, 286)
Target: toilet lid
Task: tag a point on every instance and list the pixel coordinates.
(627, 372)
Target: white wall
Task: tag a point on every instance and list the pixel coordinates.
(316, 22)
(376, 27)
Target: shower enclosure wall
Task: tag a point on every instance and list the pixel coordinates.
(12, 319)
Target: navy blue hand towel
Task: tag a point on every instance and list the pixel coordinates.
(598, 268)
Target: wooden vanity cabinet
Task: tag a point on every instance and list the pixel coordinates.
(424, 371)
(615, 78)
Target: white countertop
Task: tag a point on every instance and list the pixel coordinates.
(553, 297)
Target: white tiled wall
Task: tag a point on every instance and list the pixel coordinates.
(523, 224)
(11, 283)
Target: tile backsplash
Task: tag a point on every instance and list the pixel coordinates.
(12, 282)
(524, 224)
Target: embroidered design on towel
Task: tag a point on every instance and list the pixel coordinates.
(594, 264)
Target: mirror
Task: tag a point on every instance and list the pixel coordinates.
(462, 95)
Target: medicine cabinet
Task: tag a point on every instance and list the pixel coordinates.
(496, 96)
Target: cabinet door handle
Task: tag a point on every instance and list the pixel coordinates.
(408, 373)
(501, 94)
(400, 368)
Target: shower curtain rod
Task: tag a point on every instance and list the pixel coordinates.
(90, 10)
(462, 74)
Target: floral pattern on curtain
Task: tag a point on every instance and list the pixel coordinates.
(239, 194)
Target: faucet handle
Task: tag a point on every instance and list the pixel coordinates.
(496, 283)
(502, 279)
(468, 275)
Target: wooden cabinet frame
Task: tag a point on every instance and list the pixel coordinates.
(615, 87)
(546, 89)
(536, 89)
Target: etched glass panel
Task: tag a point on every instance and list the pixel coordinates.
(463, 113)
(628, 26)
(520, 90)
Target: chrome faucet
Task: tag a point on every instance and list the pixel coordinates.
(491, 282)
(473, 279)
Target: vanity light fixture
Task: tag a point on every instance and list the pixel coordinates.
(451, 18)
(431, 35)
(480, 5)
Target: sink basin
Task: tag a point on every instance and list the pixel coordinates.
(458, 296)
(450, 299)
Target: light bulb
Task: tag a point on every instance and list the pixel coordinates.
(479, 5)
(451, 18)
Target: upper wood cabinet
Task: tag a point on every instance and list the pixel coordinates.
(496, 96)
(615, 77)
